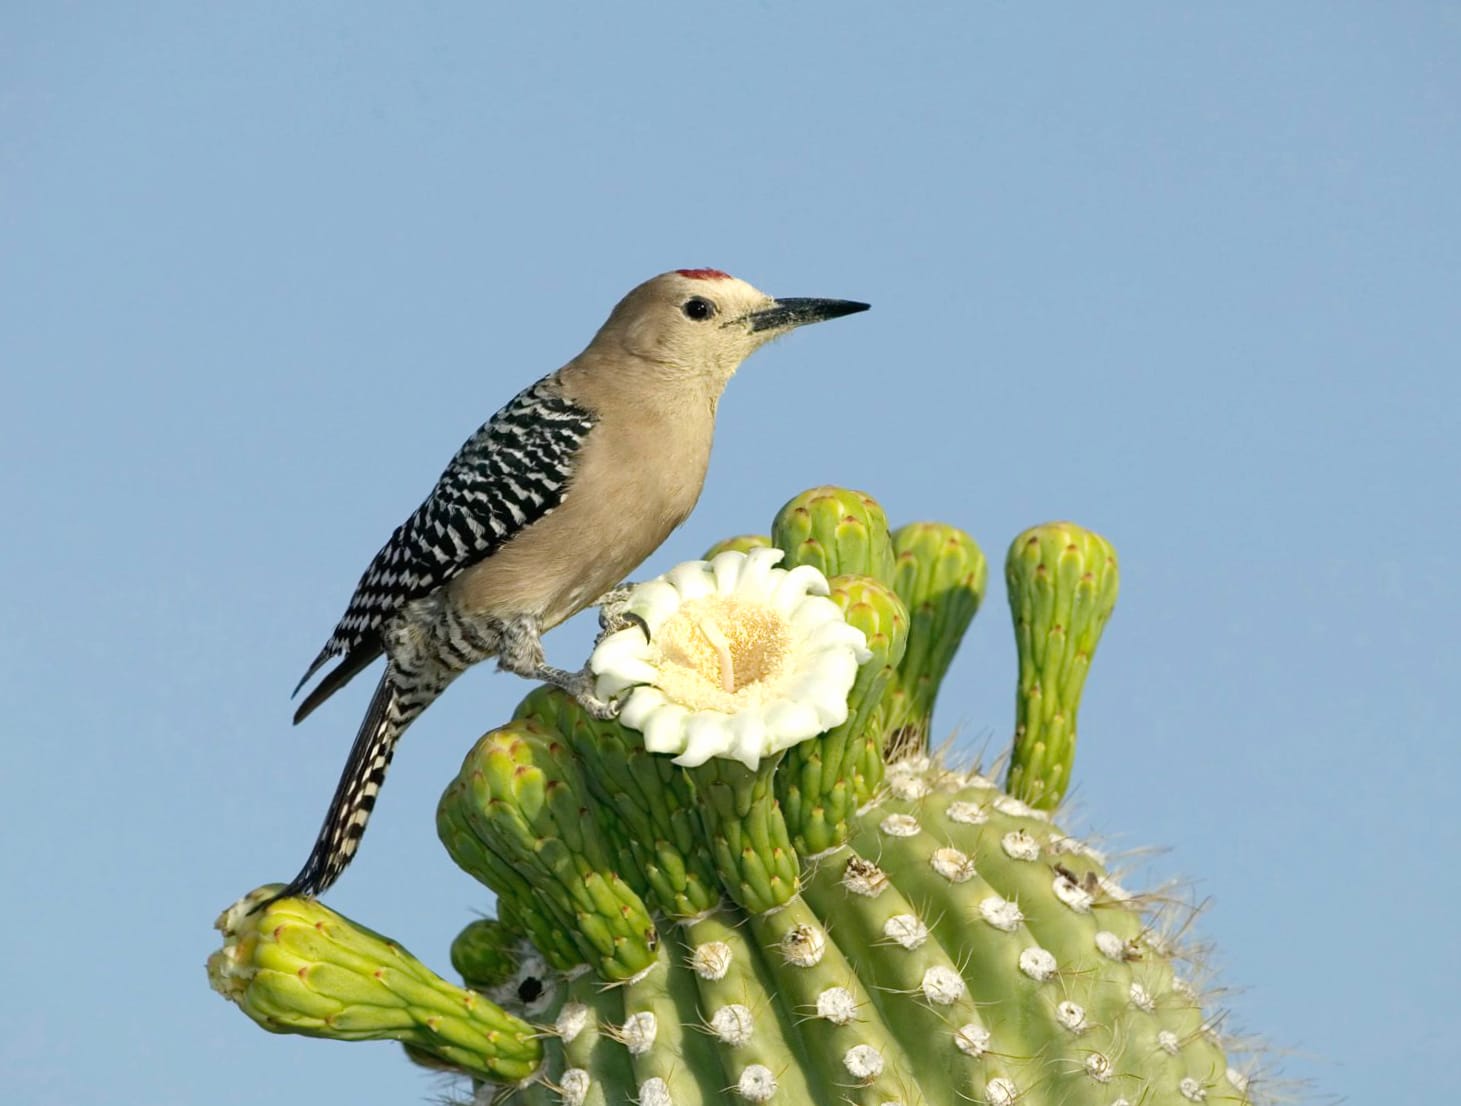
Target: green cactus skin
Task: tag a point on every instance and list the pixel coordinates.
(651, 811)
(520, 795)
(837, 531)
(1062, 582)
(295, 966)
(741, 543)
(749, 843)
(940, 574)
(486, 953)
(822, 782)
(957, 948)
(831, 927)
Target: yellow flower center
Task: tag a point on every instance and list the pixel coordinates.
(720, 653)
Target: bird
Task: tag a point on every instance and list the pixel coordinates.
(544, 511)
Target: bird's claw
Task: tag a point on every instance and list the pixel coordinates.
(604, 710)
(614, 615)
(580, 685)
(629, 618)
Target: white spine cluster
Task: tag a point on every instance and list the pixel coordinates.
(1072, 1015)
(863, 1062)
(970, 814)
(756, 1083)
(733, 1024)
(900, 825)
(1000, 1092)
(1019, 845)
(655, 1092)
(863, 877)
(804, 946)
(1192, 1090)
(638, 1032)
(573, 1086)
(905, 930)
(1037, 963)
(954, 865)
(1072, 894)
(1110, 945)
(711, 960)
(972, 1040)
(942, 986)
(1015, 808)
(571, 1020)
(1001, 913)
(837, 1005)
(908, 787)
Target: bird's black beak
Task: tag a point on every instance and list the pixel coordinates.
(785, 314)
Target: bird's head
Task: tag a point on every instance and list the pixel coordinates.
(704, 323)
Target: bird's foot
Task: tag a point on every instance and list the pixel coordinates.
(581, 686)
(522, 654)
(614, 614)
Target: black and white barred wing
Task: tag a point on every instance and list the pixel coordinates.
(510, 473)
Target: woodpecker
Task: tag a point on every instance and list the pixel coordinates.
(544, 511)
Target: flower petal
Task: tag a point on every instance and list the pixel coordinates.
(749, 741)
(789, 721)
(707, 734)
(692, 580)
(759, 575)
(837, 635)
(812, 612)
(664, 732)
(726, 568)
(654, 601)
(816, 583)
(631, 670)
(618, 649)
(641, 705)
(793, 587)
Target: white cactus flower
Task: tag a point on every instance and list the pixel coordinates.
(744, 659)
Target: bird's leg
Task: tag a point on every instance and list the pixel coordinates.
(614, 614)
(521, 652)
(611, 607)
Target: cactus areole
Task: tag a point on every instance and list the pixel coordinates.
(758, 885)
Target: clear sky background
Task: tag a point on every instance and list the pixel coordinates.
(1189, 276)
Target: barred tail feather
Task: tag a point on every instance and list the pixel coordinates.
(360, 783)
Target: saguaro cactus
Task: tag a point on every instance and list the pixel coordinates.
(757, 885)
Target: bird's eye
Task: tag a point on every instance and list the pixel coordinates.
(698, 308)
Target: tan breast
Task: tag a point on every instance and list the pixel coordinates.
(638, 478)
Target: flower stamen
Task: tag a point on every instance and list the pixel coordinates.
(721, 644)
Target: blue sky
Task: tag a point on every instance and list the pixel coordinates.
(1187, 275)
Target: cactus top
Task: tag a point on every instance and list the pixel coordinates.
(737, 658)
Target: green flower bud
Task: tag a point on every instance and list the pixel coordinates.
(742, 543)
(837, 531)
(521, 795)
(295, 966)
(1062, 588)
(823, 781)
(485, 953)
(940, 573)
